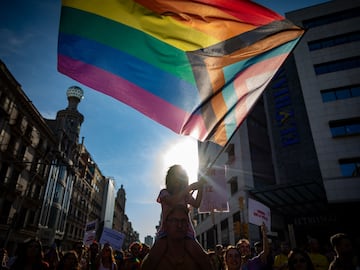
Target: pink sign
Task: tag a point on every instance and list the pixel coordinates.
(259, 213)
(215, 196)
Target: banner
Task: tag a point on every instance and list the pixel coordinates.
(259, 213)
(215, 196)
(89, 237)
(114, 238)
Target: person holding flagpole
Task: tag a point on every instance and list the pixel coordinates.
(178, 192)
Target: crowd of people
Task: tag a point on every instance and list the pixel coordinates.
(242, 256)
(31, 255)
(341, 256)
(176, 247)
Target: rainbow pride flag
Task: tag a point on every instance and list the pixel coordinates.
(196, 67)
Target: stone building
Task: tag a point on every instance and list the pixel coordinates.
(50, 186)
(27, 150)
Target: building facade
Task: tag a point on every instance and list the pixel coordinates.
(247, 164)
(312, 110)
(63, 183)
(27, 147)
(119, 211)
(50, 186)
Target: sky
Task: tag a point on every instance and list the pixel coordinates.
(126, 145)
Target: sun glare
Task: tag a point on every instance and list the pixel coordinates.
(184, 153)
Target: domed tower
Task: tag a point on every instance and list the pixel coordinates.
(68, 123)
(74, 94)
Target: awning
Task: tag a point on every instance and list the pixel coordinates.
(293, 200)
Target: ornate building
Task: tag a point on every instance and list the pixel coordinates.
(27, 148)
(50, 186)
(64, 175)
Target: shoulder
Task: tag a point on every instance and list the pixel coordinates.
(45, 265)
(255, 260)
(164, 192)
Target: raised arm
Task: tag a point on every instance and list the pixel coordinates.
(199, 186)
(266, 249)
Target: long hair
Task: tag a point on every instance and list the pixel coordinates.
(174, 174)
(111, 258)
(75, 263)
(22, 259)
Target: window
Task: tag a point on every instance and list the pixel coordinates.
(340, 93)
(230, 153)
(343, 64)
(345, 127)
(225, 239)
(334, 41)
(350, 167)
(331, 18)
(233, 185)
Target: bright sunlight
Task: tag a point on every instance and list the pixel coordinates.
(184, 153)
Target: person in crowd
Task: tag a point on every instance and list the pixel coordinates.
(144, 250)
(93, 253)
(213, 259)
(232, 258)
(4, 259)
(82, 256)
(344, 258)
(106, 259)
(219, 251)
(178, 192)
(52, 257)
(176, 256)
(133, 260)
(319, 260)
(69, 261)
(258, 248)
(281, 259)
(257, 262)
(299, 260)
(120, 259)
(329, 252)
(30, 257)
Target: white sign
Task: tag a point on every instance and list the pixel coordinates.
(259, 213)
(112, 237)
(214, 196)
(89, 237)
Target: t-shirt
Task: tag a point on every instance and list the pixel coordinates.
(319, 261)
(280, 260)
(254, 263)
